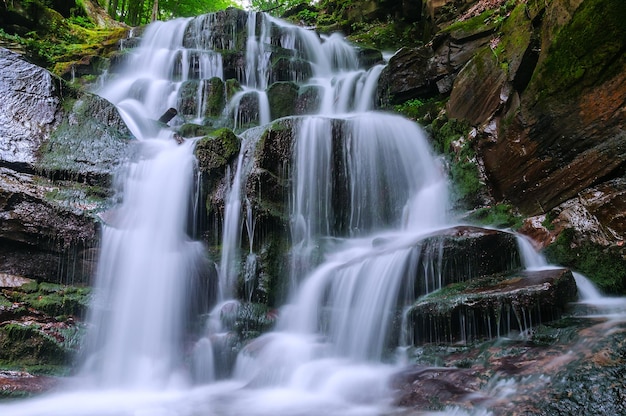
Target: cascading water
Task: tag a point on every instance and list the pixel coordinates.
(365, 188)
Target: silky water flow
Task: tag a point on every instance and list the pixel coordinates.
(335, 345)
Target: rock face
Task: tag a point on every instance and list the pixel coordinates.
(49, 229)
(556, 127)
(543, 84)
(29, 109)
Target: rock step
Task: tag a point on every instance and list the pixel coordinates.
(492, 306)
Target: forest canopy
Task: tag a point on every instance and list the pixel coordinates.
(138, 12)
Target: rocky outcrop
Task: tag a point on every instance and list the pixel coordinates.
(552, 128)
(543, 86)
(59, 151)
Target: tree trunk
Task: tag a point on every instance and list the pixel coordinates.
(155, 11)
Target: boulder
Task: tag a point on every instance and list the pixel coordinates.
(89, 143)
(30, 108)
(282, 97)
(460, 254)
(492, 306)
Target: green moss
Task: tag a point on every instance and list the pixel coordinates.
(52, 299)
(30, 287)
(589, 50)
(232, 87)
(216, 98)
(463, 168)
(28, 345)
(605, 266)
(477, 24)
(499, 216)
(216, 150)
(194, 130)
(282, 98)
(57, 43)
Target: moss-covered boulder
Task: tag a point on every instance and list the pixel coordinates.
(461, 254)
(214, 152)
(268, 183)
(282, 97)
(26, 344)
(201, 98)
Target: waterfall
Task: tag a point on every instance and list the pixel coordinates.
(365, 187)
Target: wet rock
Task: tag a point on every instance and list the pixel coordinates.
(463, 253)
(89, 144)
(247, 110)
(220, 31)
(194, 130)
(425, 387)
(368, 57)
(202, 98)
(309, 100)
(29, 110)
(38, 237)
(607, 202)
(409, 74)
(282, 98)
(474, 101)
(566, 134)
(492, 306)
(290, 69)
(17, 384)
(217, 150)
(268, 185)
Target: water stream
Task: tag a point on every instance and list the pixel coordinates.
(333, 348)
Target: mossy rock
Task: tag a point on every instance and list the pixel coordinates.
(28, 345)
(215, 96)
(284, 68)
(89, 144)
(492, 306)
(309, 99)
(232, 87)
(52, 299)
(217, 150)
(587, 51)
(282, 99)
(477, 26)
(604, 266)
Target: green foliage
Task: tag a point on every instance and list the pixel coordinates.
(276, 7)
(411, 109)
(383, 35)
(499, 216)
(605, 266)
(423, 111)
(450, 138)
(253, 319)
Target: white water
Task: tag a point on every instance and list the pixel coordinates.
(332, 352)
